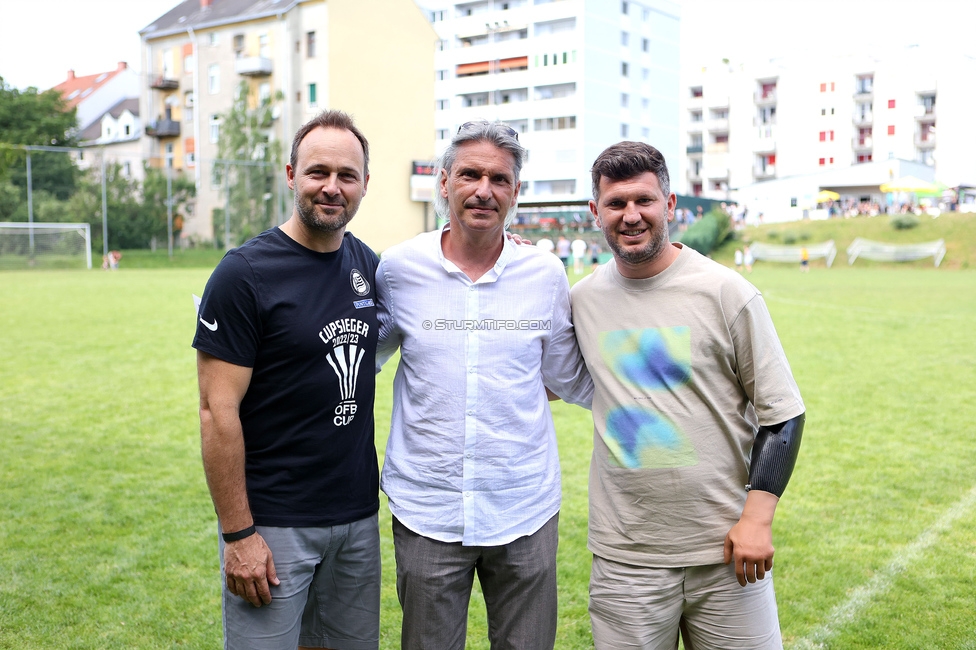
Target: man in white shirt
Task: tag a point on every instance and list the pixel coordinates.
(472, 470)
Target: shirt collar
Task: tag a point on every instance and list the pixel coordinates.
(509, 252)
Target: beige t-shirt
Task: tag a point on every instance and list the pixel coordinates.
(686, 365)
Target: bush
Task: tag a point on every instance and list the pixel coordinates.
(904, 221)
(708, 232)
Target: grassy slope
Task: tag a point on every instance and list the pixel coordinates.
(958, 230)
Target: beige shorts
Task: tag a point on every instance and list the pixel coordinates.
(641, 607)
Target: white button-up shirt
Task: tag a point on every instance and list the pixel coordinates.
(472, 453)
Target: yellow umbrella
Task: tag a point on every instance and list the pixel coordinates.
(908, 184)
(826, 195)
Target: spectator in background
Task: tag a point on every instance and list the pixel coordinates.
(579, 252)
(546, 245)
(563, 250)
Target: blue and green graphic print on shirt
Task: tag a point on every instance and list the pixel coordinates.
(647, 361)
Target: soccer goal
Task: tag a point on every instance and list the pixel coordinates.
(826, 251)
(881, 252)
(44, 245)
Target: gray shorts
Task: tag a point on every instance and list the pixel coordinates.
(641, 607)
(329, 596)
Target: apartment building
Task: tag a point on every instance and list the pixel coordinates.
(370, 59)
(571, 76)
(755, 121)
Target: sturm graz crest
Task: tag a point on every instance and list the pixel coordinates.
(359, 283)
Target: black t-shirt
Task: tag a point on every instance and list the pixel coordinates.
(305, 322)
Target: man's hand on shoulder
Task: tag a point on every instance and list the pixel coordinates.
(750, 542)
(249, 567)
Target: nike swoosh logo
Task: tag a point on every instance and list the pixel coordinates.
(210, 326)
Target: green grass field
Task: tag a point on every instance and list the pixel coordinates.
(108, 536)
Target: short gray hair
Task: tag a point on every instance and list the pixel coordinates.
(497, 133)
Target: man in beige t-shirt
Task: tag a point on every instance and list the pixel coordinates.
(697, 424)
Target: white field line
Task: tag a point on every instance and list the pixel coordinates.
(860, 597)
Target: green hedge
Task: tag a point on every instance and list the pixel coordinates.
(708, 232)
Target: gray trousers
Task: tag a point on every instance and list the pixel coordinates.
(518, 579)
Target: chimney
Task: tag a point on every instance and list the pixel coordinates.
(123, 65)
(205, 4)
(71, 75)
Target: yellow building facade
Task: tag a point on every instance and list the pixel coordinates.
(370, 58)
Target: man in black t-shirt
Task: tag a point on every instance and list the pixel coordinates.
(286, 343)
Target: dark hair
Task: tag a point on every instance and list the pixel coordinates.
(330, 119)
(625, 160)
(497, 133)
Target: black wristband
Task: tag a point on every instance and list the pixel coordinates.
(241, 534)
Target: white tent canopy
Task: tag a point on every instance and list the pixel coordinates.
(825, 250)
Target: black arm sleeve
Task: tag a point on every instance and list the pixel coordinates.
(774, 455)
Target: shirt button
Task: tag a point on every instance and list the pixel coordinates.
(470, 412)
(468, 455)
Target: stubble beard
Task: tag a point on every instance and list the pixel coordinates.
(654, 248)
(324, 223)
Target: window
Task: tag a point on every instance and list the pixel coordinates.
(441, 75)
(127, 129)
(190, 159)
(823, 112)
(312, 95)
(624, 69)
(831, 161)
(721, 138)
(823, 136)
(298, 97)
(264, 94)
(645, 73)
(215, 121)
(645, 102)
(623, 7)
(696, 116)
(822, 162)
(214, 39)
(213, 78)
(127, 169)
(832, 90)
(891, 129)
(624, 130)
(238, 45)
(891, 103)
(441, 104)
(555, 26)
(831, 135)
(188, 64)
(645, 45)
(264, 46)
(555, 123)
(696, 91)
(865, 157)
(442, 45)
(169, 155)
(441, 134)
(310, 45)
(555, 91)
(624, 99)
(823, 89)
(624, 39)
(645, 132)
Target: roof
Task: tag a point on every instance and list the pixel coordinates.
(76, 89)
(200, 14)
(94, 130)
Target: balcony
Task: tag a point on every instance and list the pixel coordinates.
(763, 172)
(765, 97)
(863, 119)
(163, 129)
(765, 144)
(859, 143)
(253, 66)
(162, 82)
(925, 140)
(694, 149)
(694, 175)
(717, 147)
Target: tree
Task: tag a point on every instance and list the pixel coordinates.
(136, 214)
(251, 168)
(36, 118)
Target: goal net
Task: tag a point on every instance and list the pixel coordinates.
(881, 252)
(826, 251)
(44, 245)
